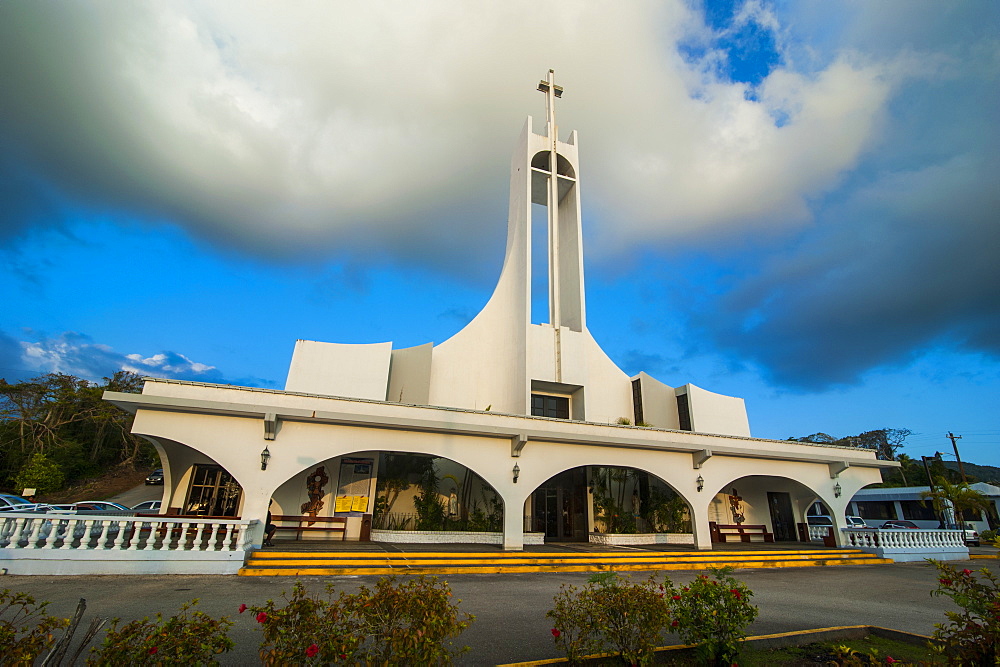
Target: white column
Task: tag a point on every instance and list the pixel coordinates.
(699, 523)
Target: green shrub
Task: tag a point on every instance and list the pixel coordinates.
(713, 613)
(972, 635)
(409, 622)
(25, 628)
(611, 614)
(40, 473)
(184, 639)
(988, 536)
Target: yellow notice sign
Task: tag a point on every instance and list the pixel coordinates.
(343, 504)
(360, 504)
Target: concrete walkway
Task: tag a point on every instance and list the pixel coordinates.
(510, 608)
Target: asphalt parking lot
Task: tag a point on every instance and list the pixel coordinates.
(510, 609)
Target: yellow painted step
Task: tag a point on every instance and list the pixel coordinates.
(590, 567)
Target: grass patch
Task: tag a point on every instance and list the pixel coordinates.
(829, 653)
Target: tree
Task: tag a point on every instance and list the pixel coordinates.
(959, 497)
(885, 442)
(65, 418)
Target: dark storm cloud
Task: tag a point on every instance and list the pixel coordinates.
(908, 262)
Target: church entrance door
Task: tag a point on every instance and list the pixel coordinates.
(782, 518)
(559, 507)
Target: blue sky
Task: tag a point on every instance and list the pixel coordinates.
(795, 203)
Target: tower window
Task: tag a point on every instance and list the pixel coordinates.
(544, 405)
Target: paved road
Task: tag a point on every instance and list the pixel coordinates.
(510, 608)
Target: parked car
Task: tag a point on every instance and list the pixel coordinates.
(856, 522)
(971, 536)
(898, 523)
(819, 520)
(11, 503)
(101, 506)
(155, 477)
(148, 506)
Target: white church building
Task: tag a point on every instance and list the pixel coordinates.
(509, 431)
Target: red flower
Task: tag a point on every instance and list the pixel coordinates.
(966, 572)
(343, 656)
(312, 650)
(736, 592)
(676, 597)
(555, 632)
(662, 588)
(889, 660)
(674, 624)
(946, 582)
(261, 617)
(153, 651)
(243, 608)
(686, 589)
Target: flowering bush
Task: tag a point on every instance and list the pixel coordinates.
(611, 614)
(184, 639)
(713, 613)
(971, 636)
(408, 623)
(25, 628)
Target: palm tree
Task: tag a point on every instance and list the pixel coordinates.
(959, 497)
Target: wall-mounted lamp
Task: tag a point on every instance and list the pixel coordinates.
(517, 471)
(265, 456)
(836, 490)
(700, 482)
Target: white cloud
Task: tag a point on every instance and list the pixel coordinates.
(76, 354)
(279, 127)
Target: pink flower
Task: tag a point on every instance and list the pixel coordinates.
(312, 650)
(153, 651)
(889, 660)
(243, 608)
(556, 633)
(261, 617)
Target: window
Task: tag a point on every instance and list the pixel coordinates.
(917, 510)
(684, 413)
(876, 509)
(544, 405)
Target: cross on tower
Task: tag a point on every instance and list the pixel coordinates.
(552, 91)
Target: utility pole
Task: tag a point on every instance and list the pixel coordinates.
(954, 445)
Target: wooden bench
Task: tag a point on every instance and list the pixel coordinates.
(336, 524)
(721, 531)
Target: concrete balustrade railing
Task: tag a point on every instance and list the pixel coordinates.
(85, 544)
(902, 544)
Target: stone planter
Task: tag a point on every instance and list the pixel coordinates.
(624, 540)
(447, 537)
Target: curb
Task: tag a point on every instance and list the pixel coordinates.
(778, 640)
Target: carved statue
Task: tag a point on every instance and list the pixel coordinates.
(736, 505)
(314, 484)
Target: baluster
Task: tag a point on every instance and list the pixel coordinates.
(212, 540)
(36, 527)
(196, 544)
(154, 527)
(85, 539)
(133, 543)
(15, 542)
(120, 537)
(227, 545)
(5, 532)
(102, 539)
(68, 536)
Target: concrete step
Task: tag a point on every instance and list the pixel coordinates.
(300, 563)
